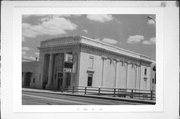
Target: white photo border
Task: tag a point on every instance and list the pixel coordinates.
(17, 61)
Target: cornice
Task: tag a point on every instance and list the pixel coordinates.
(85, 42)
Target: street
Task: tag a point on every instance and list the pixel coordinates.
(40, 98)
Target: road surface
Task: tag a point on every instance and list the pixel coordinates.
(34, 98)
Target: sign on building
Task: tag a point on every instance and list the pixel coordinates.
(67, 70)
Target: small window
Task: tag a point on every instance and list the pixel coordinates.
(91, 61)
(145, 71)
(90, 78)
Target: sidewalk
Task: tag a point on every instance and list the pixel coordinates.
(87, 95)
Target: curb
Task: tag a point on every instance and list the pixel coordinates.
(92, 96)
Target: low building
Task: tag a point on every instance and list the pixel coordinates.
(30, 72)
(80, 61)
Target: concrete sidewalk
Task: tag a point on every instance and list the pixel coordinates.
(91, 96)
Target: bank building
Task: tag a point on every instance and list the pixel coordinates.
(81, 61)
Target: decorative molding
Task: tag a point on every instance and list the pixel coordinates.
(90, 71)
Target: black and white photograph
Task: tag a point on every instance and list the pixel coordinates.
(89, 59)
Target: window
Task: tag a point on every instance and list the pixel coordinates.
(90, 78)
(145, 71)
(91, 61)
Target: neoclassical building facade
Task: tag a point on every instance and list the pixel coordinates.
(81, 61)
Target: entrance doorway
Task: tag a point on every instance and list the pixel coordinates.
(68, 79)
(59, 80)
(27, 79)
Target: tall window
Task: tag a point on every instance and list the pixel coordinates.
(91, 61)
(90, 79)
(145, 71)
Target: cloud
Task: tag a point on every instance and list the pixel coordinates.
(33, 58)
(135, 39)
(110, 41)
(150, 21)
(48, 17)
(146, 42)
(85, 30)
(23, 53)
(51, 26)
(36, 53)
(102, 18)
(151, 41)
(27, 31)
(25, 48)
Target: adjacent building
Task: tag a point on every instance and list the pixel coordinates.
(81, 61)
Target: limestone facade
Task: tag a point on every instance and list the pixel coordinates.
(80, 61)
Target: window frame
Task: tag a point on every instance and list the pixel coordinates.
(91, 81)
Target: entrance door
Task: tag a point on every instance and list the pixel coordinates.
(68, 79)
(59, 80)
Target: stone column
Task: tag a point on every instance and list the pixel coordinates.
(41, 68)
(74, 69)
(50, 72)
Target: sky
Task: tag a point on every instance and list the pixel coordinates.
(134, 32)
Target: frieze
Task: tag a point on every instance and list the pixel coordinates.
(92, 49)
(70, 43)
